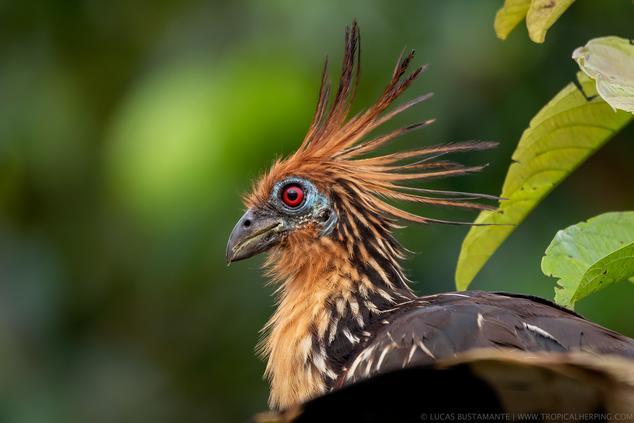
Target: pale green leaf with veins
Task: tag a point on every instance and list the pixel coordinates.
(591, 256)
(610, 62)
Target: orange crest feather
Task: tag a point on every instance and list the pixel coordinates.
(335, 148)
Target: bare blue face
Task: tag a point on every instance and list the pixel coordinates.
(294, 203)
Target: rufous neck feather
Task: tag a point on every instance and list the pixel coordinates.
(331, 290)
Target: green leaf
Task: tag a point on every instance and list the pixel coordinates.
(509, 16)
(542, 14)
(558, 139)
(591, 256)
(610, 62)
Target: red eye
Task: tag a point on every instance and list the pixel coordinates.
(292, 195)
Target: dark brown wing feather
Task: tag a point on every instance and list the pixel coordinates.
(439, 326)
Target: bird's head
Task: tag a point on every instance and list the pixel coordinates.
(292, 206)
(332, 190)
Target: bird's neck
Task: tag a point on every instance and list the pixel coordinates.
(332, 291)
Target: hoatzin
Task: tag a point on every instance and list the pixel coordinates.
(345, 309)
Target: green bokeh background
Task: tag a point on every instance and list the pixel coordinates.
(129, 131)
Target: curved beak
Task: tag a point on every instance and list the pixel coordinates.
(255, 232)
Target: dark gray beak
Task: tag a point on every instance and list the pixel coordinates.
(255, 232)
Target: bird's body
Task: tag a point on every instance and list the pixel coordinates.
(348, 324)
(345, 309)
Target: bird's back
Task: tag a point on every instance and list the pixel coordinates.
(439, 326)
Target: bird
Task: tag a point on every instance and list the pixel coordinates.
(326, 218)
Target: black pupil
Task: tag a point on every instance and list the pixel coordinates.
(292, 194)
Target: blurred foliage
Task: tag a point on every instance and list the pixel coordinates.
(561, 136)
(129, 130)
(591, 256)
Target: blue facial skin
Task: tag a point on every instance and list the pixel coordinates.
(315, 208)
(260, 228)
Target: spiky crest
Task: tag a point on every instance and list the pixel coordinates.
(336, 147)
